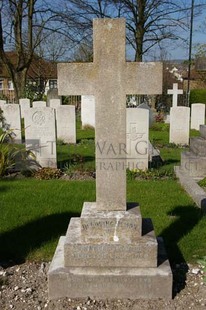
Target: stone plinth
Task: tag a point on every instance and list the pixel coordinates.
(193, 162)
(107, 226)
(104, 282)
(78, 253)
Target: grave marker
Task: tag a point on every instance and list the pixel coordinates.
(40, 135)
(88, 111)
(175, 92)
(120, 261)
(24, 105)
(39, 104)
(11, 113)
(2, 103)
(54, 103)
(197, 115)
(109, 89)
(137, 138)
(66, 123)
(179, 125)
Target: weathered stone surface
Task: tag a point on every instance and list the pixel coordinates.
(40, 135)
(108, 226)
(193, 165)
(203, 131)
(88, 111)
(66, 123)
(52, 93)
(106, 254)
(54, 103)
(39, 104)
(113, 253)
(198, 146)
(137, 138)
(179, 125)
(11, 113)
(193, 189)
(2, 102)
(197, 115)
(109, 78)
(24, 105)
(134, 283)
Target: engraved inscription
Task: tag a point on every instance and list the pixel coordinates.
(38, 118)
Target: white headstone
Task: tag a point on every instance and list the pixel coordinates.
(66, 123)
(2, 102)
(144, 105)
(54, 103)
(179, 125)
(40, 135)
(24, 105)
(39, 104)
(137, 138)
(88, 111)
(197, 115)
(11, 113)
(175, 92)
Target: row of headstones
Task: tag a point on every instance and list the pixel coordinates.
(40, 132)
(179, 119)
(43, 125)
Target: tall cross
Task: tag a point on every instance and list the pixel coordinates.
(174, 92)
(109, 78)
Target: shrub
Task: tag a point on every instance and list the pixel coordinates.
(10, 154)
(198, 96)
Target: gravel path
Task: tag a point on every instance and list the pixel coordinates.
(25, 287)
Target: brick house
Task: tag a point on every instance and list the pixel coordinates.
(42, 76)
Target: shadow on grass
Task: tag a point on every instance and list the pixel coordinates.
(186, 218)
(16, 244)
(170, 161)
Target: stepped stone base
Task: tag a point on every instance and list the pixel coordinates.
(77, 252)
(103, 282)
(193, 165)
(198, 146)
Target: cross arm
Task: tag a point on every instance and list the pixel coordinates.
(76, 78)
(143, 78)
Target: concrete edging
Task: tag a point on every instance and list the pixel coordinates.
(192, 188)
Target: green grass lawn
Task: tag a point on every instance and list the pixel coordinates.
(35, 213)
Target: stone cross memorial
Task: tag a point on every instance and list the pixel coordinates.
(174, 92)
(105, 253)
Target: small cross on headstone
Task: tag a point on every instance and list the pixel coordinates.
(109, 78)
(174, 92)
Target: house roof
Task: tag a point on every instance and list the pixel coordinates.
(38, 68)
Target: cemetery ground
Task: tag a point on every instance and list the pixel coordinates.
(36, 212)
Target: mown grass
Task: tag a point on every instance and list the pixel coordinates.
(35, 213)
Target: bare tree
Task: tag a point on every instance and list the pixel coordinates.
(148, 22)
(24, 25)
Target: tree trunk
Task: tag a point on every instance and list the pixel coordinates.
(19, 81)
